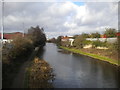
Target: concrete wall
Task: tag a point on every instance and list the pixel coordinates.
(110, 40)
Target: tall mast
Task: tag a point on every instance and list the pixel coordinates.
(2, 19)
(23, 30)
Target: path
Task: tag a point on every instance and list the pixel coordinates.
(19, 79)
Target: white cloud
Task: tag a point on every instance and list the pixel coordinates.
(61, 18)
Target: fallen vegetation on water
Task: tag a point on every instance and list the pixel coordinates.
(39, 75)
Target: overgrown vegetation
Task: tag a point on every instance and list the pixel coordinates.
(99, 44)
(58, 41)
(78, 42)
(110, 32)
(18, 51)
(39, 75)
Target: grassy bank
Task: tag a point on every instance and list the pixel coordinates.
(103, 58)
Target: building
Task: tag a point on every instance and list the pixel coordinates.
(7, 37)
(11, 35)
(67, 38)
(64, 39)
(118, 34)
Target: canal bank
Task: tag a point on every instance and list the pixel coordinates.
(103, 58)
(78, 71)
(19, 80)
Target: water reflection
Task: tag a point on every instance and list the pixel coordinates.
(78, 71)
(64, 51)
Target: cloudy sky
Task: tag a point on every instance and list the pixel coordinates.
(61, 18)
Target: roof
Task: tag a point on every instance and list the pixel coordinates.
(11, 35)
(66, 37)
(118, 34)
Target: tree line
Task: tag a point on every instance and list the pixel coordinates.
(109, 33)
(80, 40)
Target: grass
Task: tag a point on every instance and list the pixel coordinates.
(103, 58)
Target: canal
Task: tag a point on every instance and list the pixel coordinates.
(78, 71)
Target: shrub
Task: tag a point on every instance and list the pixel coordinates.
(95, 35)
(21, 47)
(39, 75)
(99, 43)
(114, 46)
(87, 42)
(78, 42)
(110, 32)
(65, 43)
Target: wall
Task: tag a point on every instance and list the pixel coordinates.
(110, 40)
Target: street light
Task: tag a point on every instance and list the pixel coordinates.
(23, 30)
(2, 19)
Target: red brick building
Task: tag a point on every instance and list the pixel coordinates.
(118, 34)
(11, 35)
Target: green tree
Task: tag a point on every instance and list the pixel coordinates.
(37, 35)
(85, 35)
(58, 41)
(110, 32)
(78, 42)
(75, 36)
(52, 40)
(95, 35)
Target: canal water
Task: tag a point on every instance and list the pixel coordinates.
(78, 71)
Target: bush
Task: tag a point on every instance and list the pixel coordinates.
(21, 47)
(65, 43)
(95, 35)
(39, 75)
(78, 42)
(99, 43)
(114, 46)
(58, 41)
(87, 42)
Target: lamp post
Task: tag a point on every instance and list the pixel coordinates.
(2, 19)
(23, 30)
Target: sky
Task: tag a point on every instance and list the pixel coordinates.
(61, 18)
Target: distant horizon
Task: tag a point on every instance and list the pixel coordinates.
(61, 34)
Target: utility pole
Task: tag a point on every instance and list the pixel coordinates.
(2, 28)
(23, 30)
(2, 19)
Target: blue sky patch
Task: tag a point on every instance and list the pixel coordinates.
(79, 3)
